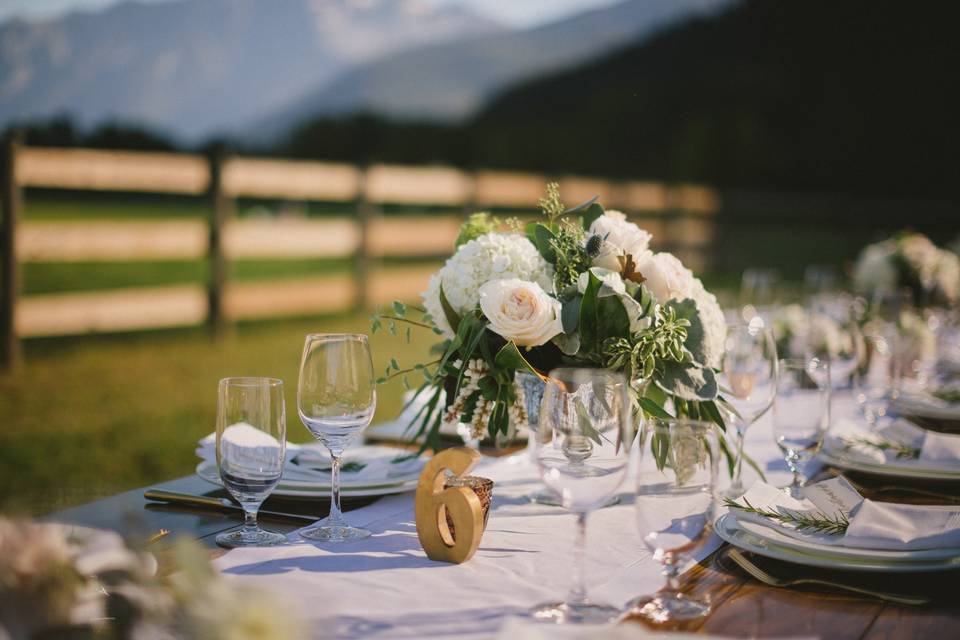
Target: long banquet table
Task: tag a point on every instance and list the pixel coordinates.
(385, 587)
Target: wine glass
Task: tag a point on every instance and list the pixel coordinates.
(586, 430)
(251, 443)
(758, 293)
(336, 398)
(748, 382)
(834, 336)
(801, 414)
(675, 507)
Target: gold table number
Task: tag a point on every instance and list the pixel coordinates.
(433, 503)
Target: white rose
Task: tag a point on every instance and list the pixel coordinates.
(521, 311)
(491, 256)
(666, 277)
(613, 227)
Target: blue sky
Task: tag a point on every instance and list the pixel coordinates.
(516, 12)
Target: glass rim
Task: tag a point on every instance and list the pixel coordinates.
(250, 381)
(326, 337)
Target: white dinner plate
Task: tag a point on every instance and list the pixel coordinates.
(302, 489)
(730, 529)
(843, 460)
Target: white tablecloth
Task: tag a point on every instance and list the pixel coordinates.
(385, 587)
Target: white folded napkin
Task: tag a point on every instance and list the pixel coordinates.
(872, 525)
(363, 464)
(940, 451)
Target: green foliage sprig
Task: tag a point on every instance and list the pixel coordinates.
(818, 522)
(902, 450)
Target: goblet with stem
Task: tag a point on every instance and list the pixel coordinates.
(748, 382)
(336, 398)
(834, 336)
(675, 506)
(251, 444)
(586, 431)
(801, 414)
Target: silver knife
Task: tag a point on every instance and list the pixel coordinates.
(160, 495)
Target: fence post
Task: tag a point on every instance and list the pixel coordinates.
(362, 258)
(10, 206)
(221, 210)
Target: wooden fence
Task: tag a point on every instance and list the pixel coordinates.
(679, 216)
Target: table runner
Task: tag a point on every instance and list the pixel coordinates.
(385, 587)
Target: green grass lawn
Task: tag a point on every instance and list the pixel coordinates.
(88, 417)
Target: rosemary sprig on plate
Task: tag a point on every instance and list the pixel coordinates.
(904, 451)
(818, 522)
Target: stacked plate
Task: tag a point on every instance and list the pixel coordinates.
(767, 541)
(304, 481)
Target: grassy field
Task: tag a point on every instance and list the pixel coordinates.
(88, 417)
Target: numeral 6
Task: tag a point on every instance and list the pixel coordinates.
(433, 502)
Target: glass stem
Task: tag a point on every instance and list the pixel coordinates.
(671, 569)
(741, 432)
(336, 516)
(250, 526)
(578, 591)
(795, 469)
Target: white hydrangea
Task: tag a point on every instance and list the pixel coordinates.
(714, 324)
(624, 236)
(492, 256)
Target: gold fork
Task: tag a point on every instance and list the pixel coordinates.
(774, 581)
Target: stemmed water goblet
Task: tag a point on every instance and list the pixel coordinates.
(251, 444)
(748, 382)
(834, 336)
(586, 431)
(336, 398)
(675, 507)
(801, 414)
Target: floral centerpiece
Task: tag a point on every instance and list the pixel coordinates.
(58, 581)
(580, 287)
(909, 260)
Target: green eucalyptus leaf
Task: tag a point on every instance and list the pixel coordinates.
(568, 343)
(453, 318)
(687, 382)
(592, 212)
(586, 425)
(570, 314)
(588, 327)
(653, 409)
(580, 207)
(399, 308)
(544, 242)
(509, 357)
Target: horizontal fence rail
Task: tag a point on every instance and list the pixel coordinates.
(681, 218)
